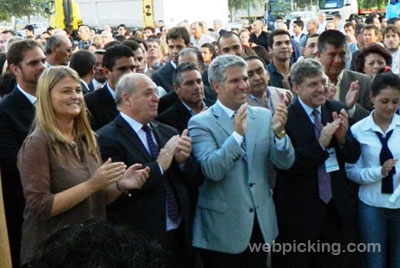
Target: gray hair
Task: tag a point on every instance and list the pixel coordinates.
(305, 68)
(217, 68)
(11, 41)
(191, 51)
(53, 41)
(126, 84)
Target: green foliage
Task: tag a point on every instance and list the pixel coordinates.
(19, 8)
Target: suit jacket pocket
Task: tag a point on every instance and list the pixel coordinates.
(212, 205)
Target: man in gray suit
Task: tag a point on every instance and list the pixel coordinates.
(235, 146)
(352, 88)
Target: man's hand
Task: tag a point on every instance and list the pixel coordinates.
(167, 153)
(353, 94)
(387, 166)
(134, 177)
(327, 133)
(280, 117)
(340, 133)
(331, 91)
(183, 148)
(240, 120)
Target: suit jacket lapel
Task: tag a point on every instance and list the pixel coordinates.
(23, 105)
(251, 134)
(223, 120)
(303, 121)
(183, 113)
(132, 137)
(160, 135)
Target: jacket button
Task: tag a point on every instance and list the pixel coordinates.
(251, 210)
(251, 184)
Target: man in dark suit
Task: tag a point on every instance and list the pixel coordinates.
(178, 39)
(161, 208)
(331, 53)
(27, 61)
(83, 62)
(189, 88)
(312, 197)
(118, 60)
(192, 55)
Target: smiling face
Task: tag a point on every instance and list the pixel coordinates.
(67, 98)
(143, 102)
(233, 91)
(191, 88)
(312, 91)
(386, 103)
(333, 59)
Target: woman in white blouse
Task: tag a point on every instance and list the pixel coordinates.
(377, 171)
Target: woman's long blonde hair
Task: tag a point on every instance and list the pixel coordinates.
(45, 117)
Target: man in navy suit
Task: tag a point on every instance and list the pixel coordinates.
(27, 61)
(312, 198)
(83, 62)
(160, 209)
(178, 39)
(118, 60)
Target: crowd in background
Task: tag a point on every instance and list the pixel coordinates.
(203, 141)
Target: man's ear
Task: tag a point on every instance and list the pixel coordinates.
(215, 87)
(14, 69)
(296, 89)
(176, 89)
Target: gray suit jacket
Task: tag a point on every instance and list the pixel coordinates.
(235, 188)
(275, 97)
(363, 105)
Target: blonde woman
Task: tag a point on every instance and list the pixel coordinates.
(63, 179)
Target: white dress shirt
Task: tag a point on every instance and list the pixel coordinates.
(367, 171)
(31, 98)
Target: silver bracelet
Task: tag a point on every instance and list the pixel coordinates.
(119, 186)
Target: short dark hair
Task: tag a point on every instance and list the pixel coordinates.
(371, 27)
(139, 41)
(150, 28)
(131, 44)
(177, 33)
(114, 53)
(261, 52)
(30, 28)
(299, 23)
(349, 24)
(254, 57)
(120, 38)
(384, 80)
(359, 28)
(83, 62)
(210, 47)
(18, 49)
(122, 25)
(182, 68)
(275, 33)
(227, 35)
(331, 37)
(9, 31)
(389, 28)
(111, 44)
(359, 60)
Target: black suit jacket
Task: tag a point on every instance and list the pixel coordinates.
(145, 211)
(163, 77)
(87, 88)
(299, 209)
(101, 106)
(16, 117)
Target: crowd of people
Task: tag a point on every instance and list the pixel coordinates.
(187, 147)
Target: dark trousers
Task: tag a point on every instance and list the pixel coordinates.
(179, 256)
(246, 259)
(318, 256)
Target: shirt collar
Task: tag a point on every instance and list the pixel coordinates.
(229, 112)
(112, 92)
(371, 125)
(30, 97)
(86, 85)
(190, 109)
(173, 64)
(308, 109)
(135, 125)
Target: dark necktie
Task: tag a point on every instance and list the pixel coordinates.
(324, 179)
(386, 154)
(172, 202)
